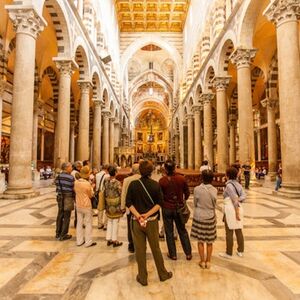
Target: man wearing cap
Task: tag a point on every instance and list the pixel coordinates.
(65, 199)
(84, 193)
(136, 175)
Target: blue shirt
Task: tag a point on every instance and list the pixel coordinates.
(65, 182)
(234, 191)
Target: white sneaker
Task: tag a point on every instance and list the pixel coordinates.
(225, 255)
(239, 254)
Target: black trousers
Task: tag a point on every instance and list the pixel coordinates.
(129, 232)
(170, 216)
(62, 222)
(247, 180)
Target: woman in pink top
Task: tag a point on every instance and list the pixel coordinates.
(84, 193)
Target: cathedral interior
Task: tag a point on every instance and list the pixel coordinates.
(116, 81)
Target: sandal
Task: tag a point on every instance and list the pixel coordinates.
(207, 265)
(202, 264)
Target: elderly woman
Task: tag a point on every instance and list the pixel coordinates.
(233, 195)
(144, 199)
(84, 192)
(113, 207)
(204, 220)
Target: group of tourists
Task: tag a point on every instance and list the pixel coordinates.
(142, 199)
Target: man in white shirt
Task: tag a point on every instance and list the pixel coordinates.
(100, 178)
(136, 175)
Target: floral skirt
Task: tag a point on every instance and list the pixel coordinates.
(204, 231)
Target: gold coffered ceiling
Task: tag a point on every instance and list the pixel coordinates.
(152, 15)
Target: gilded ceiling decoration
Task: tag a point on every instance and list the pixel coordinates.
(152, 15)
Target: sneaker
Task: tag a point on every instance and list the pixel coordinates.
(117, 244)
(109, 243)
(66, 237)
(225, 255)
(239, 254)
(91, 245)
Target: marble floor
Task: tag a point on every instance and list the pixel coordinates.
(36, 266)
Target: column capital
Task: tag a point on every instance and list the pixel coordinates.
(196, 109)
(84, 86)
(65, 66)
(242, 57)
(106, 114)
(269, 103)
(221, 82)
(207, 98)
(112, 119)
(281, 11)
(190, 116)
(26, 20)
(97, 102)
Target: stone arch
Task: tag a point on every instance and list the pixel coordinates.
(191, 103)
(11, 46)
(155, 40)
(209, 75)
(198, 93)
(255, 74)
(96, 86)
(111, 107)
(177, 125)
(124, 122)
(81, 59)
(61, 23)
(49, 71)
(273, 76)
(250, 14)
(105, 97)
(116, 114)
(224, 58)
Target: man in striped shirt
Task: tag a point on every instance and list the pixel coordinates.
(65, 196)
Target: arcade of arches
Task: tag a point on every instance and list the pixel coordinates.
(116, 81)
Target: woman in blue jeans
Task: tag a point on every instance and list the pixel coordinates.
(176, 192)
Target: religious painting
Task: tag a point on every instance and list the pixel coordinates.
(49, 146)
(159, 148)
(139, 149)
(160, 136)
(140, 136)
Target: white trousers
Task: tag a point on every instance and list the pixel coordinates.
(84, 216)
(112, 229)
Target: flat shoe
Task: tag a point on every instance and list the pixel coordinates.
(109, 243)
(189, 257)
(117, 244)
(170, 275)
(172, 257)
(202, 265)
(92, 244)
(207, 265)
(80, 244)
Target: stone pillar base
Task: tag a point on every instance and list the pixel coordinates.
(255, 183)
(19, 194)
(291, 191)
(271, 176)
(36, 176)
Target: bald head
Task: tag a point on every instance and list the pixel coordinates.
(135, 169)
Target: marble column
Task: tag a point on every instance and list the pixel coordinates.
(28, 24)
(72, 141)
(285, 14)
(271, 105)
(177, 145)
(111, 139)
(198, 139)
(43, 145)
(221, 84)
(190, 125)
(243, 59)
(232, 139)
(105, 141)
(35, 133)
(62, 128)
(208, 127)
(84, 119)
(97, 134)
(2, 90)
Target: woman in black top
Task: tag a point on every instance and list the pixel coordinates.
(144, 199)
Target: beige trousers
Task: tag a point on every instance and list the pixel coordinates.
(84, 235)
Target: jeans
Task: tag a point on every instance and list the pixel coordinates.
(278, 183)
(169, 216)
(229, 239)
(62, 221)
(84, 217)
